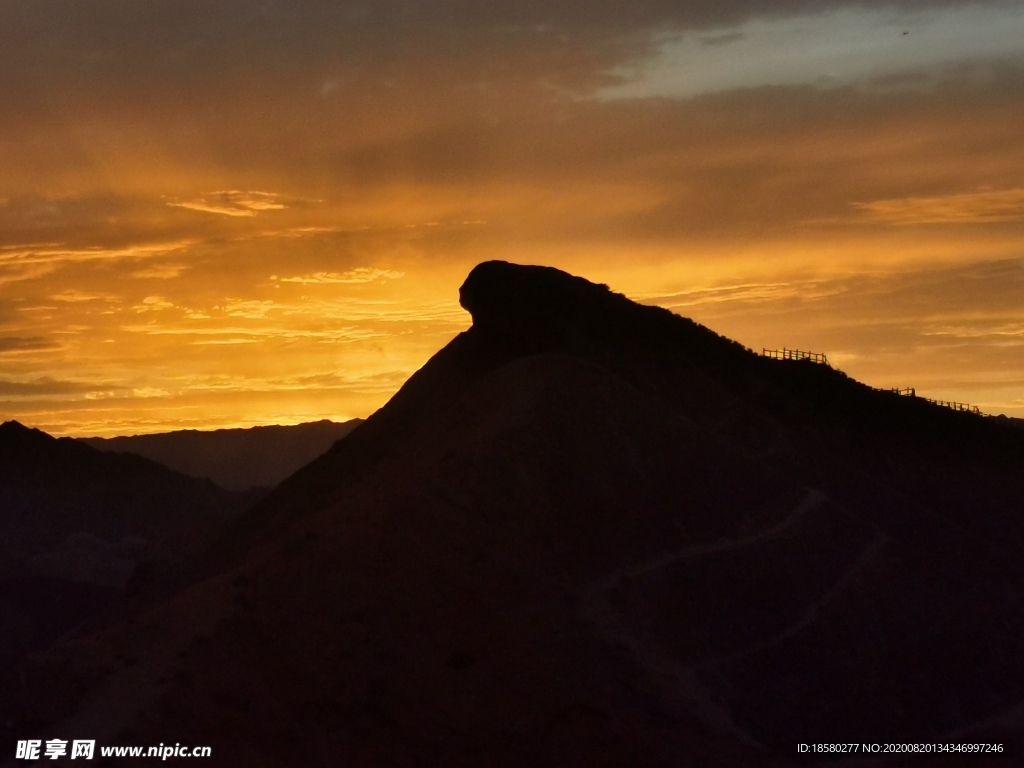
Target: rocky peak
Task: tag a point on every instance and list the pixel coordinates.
(515, 300)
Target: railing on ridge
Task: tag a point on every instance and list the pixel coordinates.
(796, 354)
(819, 357)
(966, 407)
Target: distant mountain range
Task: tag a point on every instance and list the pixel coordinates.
(236, 459)
(589, 533)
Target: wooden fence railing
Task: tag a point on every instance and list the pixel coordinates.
(795, 354)
(966, 407)
(819, 357)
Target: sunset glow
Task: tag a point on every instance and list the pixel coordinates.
(219, 214)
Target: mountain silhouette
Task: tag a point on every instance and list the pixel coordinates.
(55, 487)
(77, 524)
(236, 459)
(590, 533)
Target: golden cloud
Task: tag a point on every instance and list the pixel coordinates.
(27, 262)
(160, 272)
(980, 207)
(153, 304)
(747, 293)
(25, 344)
(74, 296)
(233, 203)
(239, 335)
(355, 276)
(253, 309)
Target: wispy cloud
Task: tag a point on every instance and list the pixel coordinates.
(355, 276)
(746, 293)
(240, 335)
(307, 310)
(45, 386)
(722, 38)
(297, 232)
(74, 296)
(233, 203)
(72, 329)
(253, 309)
(354, 310)
(980, 207)
(25, 343)
(153, 304)
(160, 272)
(32, 261)
(376, 382)
(49, 254)
(992, 331)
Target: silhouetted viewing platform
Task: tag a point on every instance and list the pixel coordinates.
(796, 354)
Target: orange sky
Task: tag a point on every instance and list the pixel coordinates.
(231, 213)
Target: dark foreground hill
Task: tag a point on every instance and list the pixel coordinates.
(52, 488)
(236, 459)
(76, 524)
(590, 533)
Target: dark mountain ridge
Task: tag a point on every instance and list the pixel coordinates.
(76, 525)
(55, 486)
(236, 459)
(589, 532)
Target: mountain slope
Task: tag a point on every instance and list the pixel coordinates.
(75, 525)
(236, 459)
(587, 533)
(55, 487)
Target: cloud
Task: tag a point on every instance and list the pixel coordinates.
(252, 309)
(160, 272)
(352, 277)
(721, 38)
(241, 335)
(839, 45)
(234, 203)
(43, 386)
(929, 326)
(382, 382)
(994, 331)
(20, 256)
(355, 310)
(746, 293)
(148, 392)
(297, 232)
(153, 304)
(981, 207)
(25, 343)
(74, 296)
(72, 329)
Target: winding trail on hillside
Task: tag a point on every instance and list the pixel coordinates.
(683, 682)
(810, 615)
